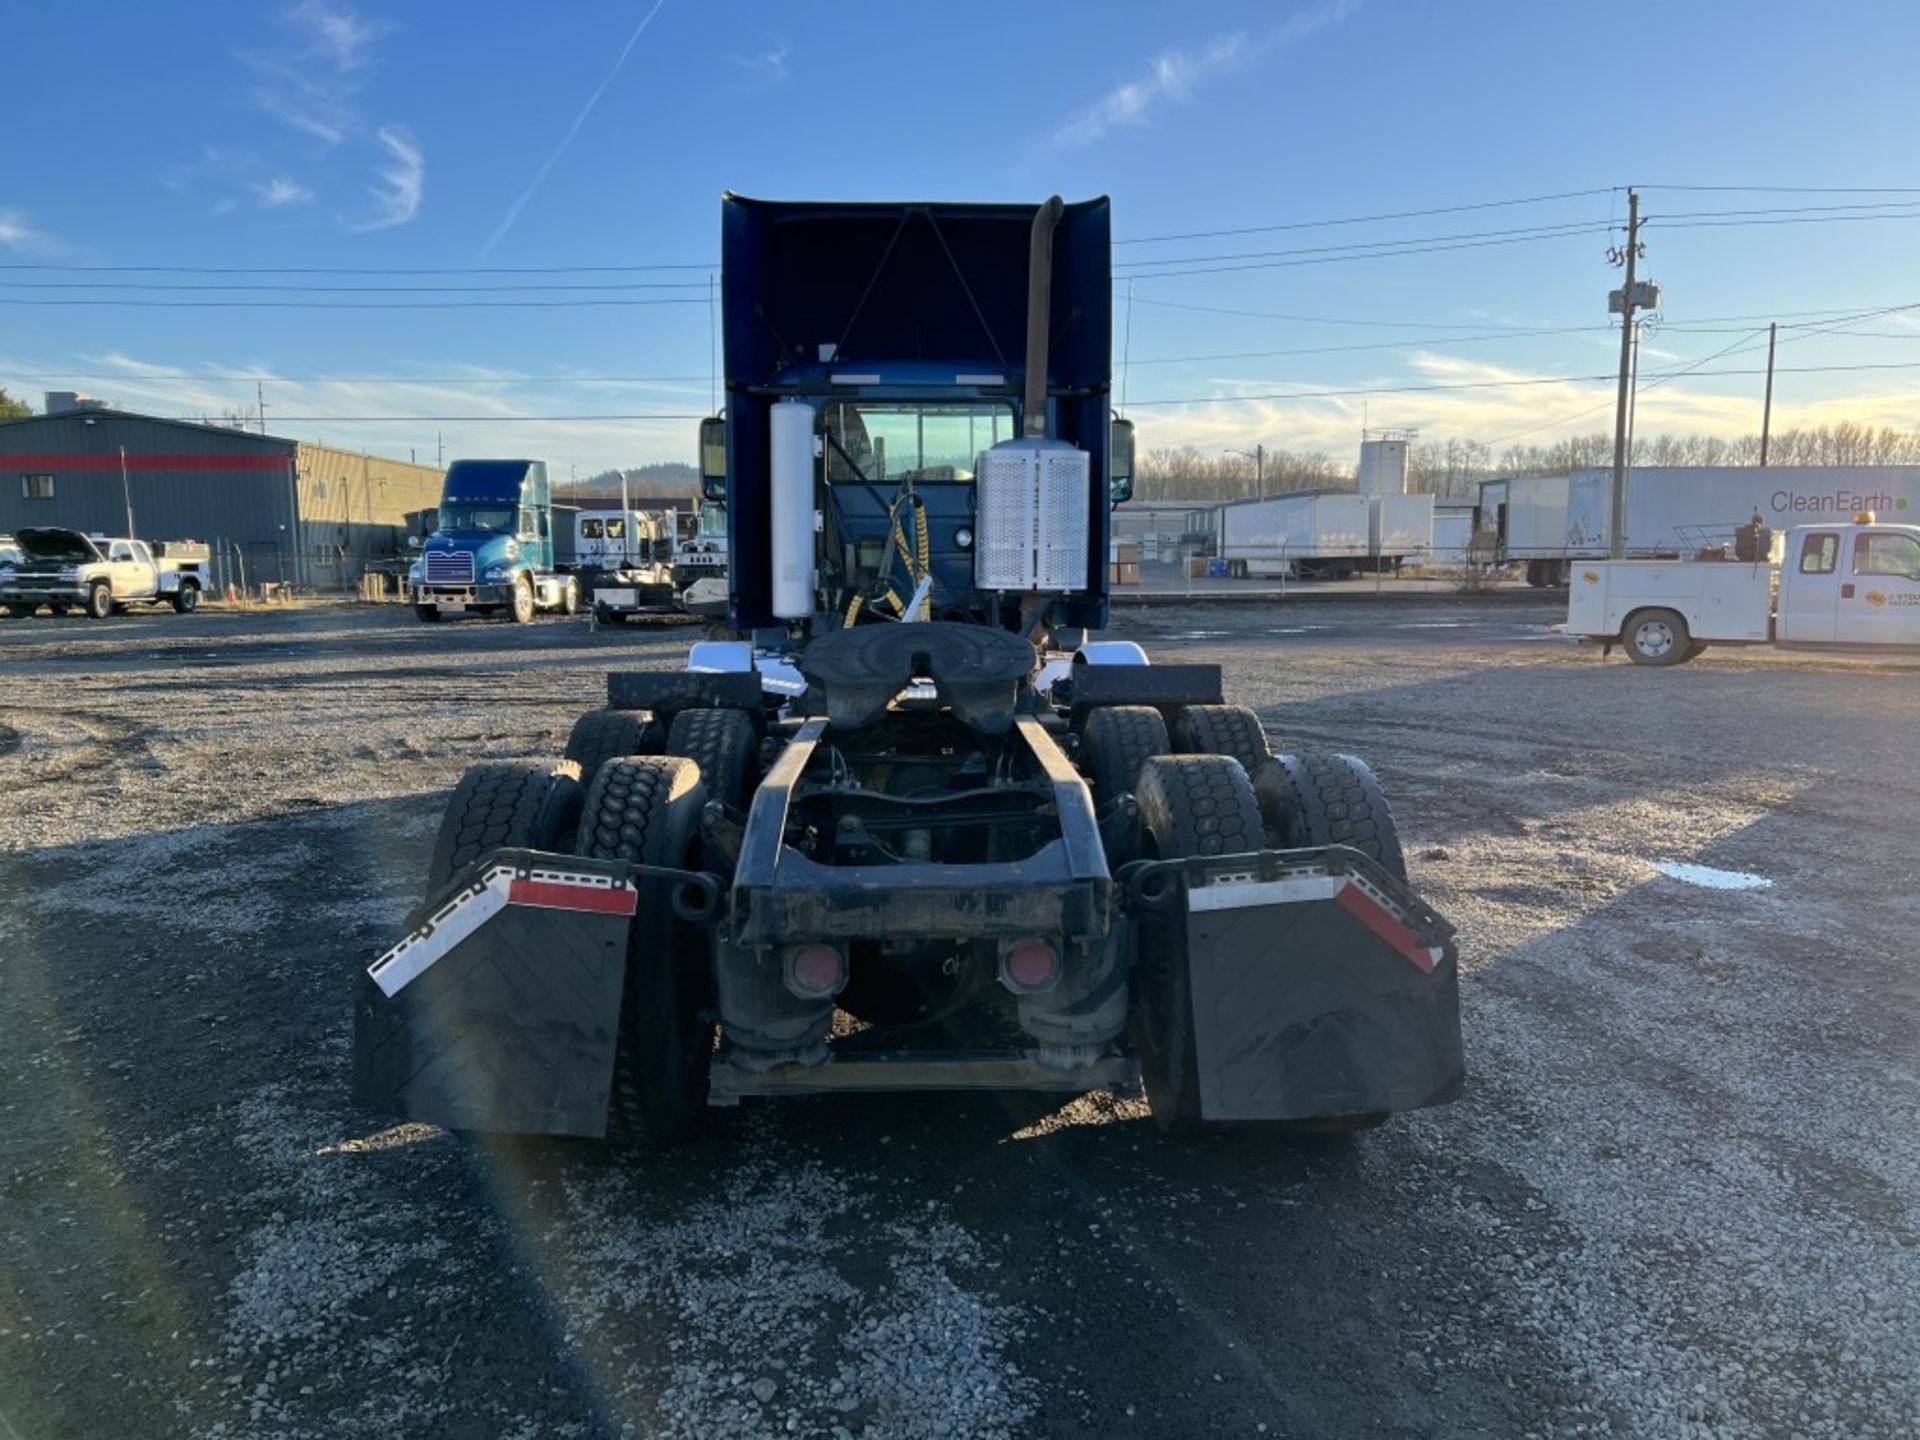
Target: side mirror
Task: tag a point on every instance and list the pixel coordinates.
(713, 457)
(1120, 463)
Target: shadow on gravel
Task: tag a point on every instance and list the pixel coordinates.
(202, 1232)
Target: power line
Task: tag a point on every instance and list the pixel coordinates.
(1525, 232)
(1383, 345)
(1379, 390)
(1592, 229)
(354, 304)
(347, 269)
(1799, 189)
(1366, 219)
(169, 287)
(370, 379)
(470, 419)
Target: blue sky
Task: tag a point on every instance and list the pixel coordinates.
(378, 135)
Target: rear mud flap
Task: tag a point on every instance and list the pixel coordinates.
(1321, 985)
(501, 1010)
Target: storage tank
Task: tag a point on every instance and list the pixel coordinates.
(1383, 467)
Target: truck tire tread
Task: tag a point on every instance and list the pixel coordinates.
(646, 809)
(1221, 730)
(1116, 742)
(724, 745)
(600, 735)
(1321, 799)
(1190, 805)
(521, 803)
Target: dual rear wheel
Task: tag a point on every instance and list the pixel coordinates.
(1208, 785)
(617, 797)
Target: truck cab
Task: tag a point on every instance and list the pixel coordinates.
(491, 551)
(1850, 585)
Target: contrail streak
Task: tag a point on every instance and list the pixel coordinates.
(513, 213)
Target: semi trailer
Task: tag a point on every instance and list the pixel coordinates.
(1552, 522)
(915, 830)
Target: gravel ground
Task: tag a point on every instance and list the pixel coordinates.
(1678, 1198)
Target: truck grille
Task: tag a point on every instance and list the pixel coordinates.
(449, 567)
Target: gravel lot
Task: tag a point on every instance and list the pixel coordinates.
(1678, 1199)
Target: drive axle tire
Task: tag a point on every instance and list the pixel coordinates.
(1117, 741)
(100, 600)
(20, 611)
(1311, 800)
(647, 809)
(726, 748)
(600, 735)
(186, 599)
(1657, 637)
(1190, 805)
(59, 608)
(429, 613)
(526, 804)
(1221, 730)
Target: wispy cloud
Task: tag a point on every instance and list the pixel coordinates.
(770, 62)
(338, 33)
(18, 236)
(540, 177)
(314, 85)
(1174, 75)
(402, 182)
(281, 190)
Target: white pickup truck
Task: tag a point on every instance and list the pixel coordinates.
(1833, 586)
(65, 570)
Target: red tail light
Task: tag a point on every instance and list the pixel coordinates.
(1031, 964)
(815, 971)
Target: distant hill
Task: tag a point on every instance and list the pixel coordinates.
(663, 480)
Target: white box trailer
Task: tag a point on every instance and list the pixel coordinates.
(1307, 534)
(1453, 530)
(1549, 521)
(1399, 527)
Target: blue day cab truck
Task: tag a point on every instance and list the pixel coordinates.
(492, 551)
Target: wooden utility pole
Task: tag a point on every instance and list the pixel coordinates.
(1766, 412)
(1618, 523)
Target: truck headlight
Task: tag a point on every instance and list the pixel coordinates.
(70, 572)
(413, 574)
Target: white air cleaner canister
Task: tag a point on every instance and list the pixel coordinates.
(1032, 501)
(791, 497)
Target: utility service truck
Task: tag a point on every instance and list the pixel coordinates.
(1852, 586)
(67, 570)
(915, 831)
(491, 552)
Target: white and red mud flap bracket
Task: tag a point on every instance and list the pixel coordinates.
(500, 1011)
(1321, 985)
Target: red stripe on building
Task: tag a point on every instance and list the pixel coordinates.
(1366, 909)
(559, 895)
(76, 464)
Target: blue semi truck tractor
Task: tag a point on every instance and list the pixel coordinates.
(492, 551)
(916, 829)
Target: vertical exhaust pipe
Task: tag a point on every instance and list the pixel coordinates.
(1033, 418)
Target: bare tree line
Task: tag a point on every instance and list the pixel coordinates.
(1456, 467)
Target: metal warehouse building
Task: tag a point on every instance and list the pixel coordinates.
(283, 509)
